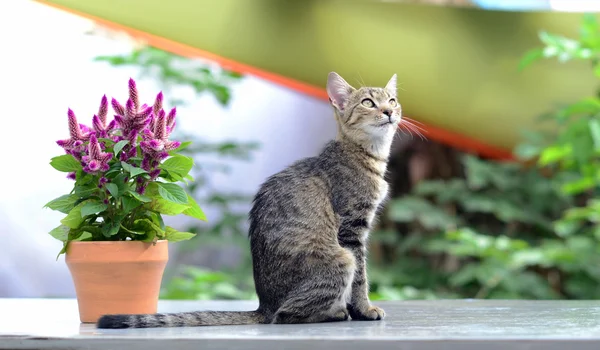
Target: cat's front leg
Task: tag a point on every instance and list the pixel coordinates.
(360, 307)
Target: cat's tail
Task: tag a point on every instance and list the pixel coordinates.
(182, 319)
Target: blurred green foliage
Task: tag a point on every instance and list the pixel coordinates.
(524, 230)
(176, 71)
(196, 283)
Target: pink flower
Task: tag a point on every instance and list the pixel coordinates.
(95, 160)
(99, 121)
(78, 134)
(132, 117)
(157, 140)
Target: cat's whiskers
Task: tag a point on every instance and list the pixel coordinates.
(361, 82)
(409, 126)
(416, 131)
(401, 129)
(413, 120)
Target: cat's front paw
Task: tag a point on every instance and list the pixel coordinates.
(368, 313)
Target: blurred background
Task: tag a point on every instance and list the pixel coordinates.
(493, 196)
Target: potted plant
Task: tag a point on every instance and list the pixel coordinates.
(125, 174)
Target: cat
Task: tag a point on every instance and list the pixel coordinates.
(309, 224)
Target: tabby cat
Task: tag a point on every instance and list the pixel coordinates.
(309, 224)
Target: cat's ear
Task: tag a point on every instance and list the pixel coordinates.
(391, 85)
(338, 90)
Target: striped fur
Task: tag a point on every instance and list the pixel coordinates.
(309, 224)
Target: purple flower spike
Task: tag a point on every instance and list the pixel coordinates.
(119, 120)
(141, 189)
(132, 117)
(132, 137)
(146, 164)
(171, 117)
(160, 129)
(133, 94)
(92, 166)
(77, 135)
(71, 176)
(95, 160)
(84, 129)
(144, 114)
(157, 103)
(154, 174)
(132, 152)
(130, 108)
(103, 110)
(117, 107)
(99, 121)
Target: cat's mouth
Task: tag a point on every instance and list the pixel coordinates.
(385, 124)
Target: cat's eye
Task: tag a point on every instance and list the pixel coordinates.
(367, 102)
(393, 102)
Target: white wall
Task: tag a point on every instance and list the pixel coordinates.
(46, 66)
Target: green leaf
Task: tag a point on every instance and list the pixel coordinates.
(93, 207)
(157, 219)
(61, 233)
(85, 191)
(65, 163)
(119, 146)
(63, 250)
(589, 32)
(194, 211)
(130, 203)
(549, 39)
(139, 197)
(74, 218)
(530, 57)
(172, 193)
(178, 164)
(148, 228)
(133, 232)
(85, 236)
(161, 205)
(526, 151)
(597, 70)
(465, 275)
(586, 106)
(595, 132)
(181, 147)
(554, 154)
(113, 189)
(64, 204)
(172, 235)
(111, 228)
(565, 228)
(583, 184)
(134, 171)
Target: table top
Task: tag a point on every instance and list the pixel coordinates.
(435, 324)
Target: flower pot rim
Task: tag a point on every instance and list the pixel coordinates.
(115, 242)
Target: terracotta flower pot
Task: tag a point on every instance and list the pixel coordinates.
(116, 277)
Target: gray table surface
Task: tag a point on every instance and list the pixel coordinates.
(440, 324)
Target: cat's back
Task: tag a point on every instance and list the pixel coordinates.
(293, 192)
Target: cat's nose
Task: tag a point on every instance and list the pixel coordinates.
(387, 112)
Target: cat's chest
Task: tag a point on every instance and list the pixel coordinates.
(381, 192)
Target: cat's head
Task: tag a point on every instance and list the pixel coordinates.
(367, 112)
